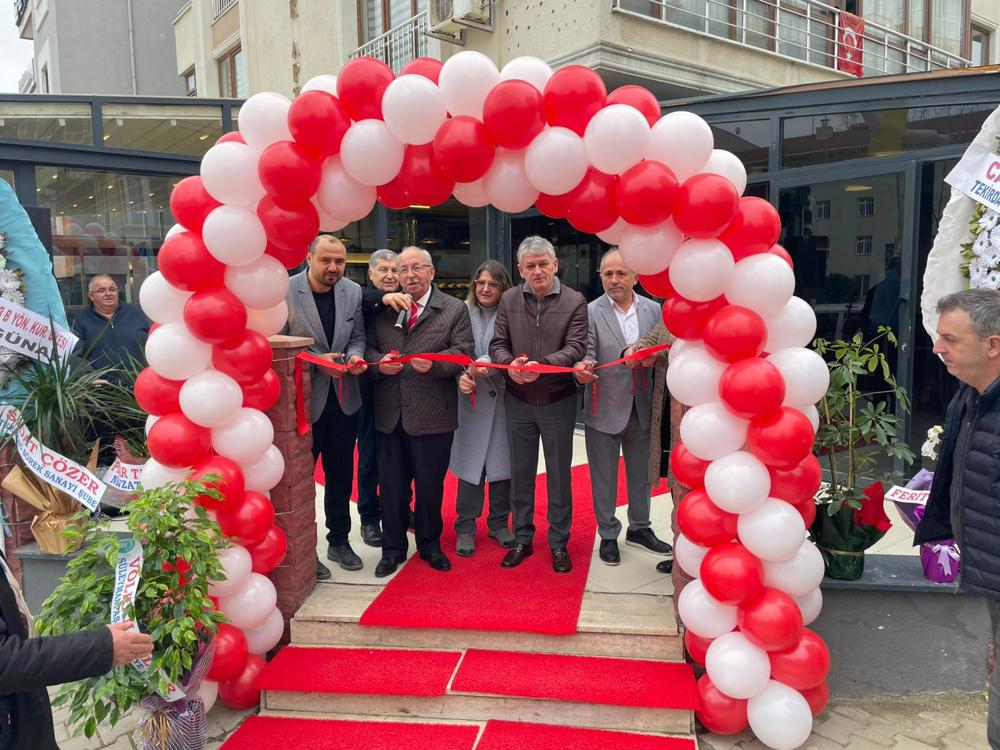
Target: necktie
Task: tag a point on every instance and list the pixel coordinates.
(414, 310)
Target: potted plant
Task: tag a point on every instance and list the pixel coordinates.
(857, 427)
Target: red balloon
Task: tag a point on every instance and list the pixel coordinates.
(513, 114)
(731, 573)
(782, 439)
(174, 440)
(719, 713)
(592, 206)
(686, 319)
(230, 653)
(268, 553)
(228, 482)
(215, 316)
(190, 203)
(287, 227)
(817, 698)
(553, 206)
(806, 509)
(249, 521)
(704, 522)
(318, 121)
(751, 387)
(754, 229)
(421, 178)
(263, 393)
(156, 394)
(638, 97)
(288, 257)
(772, 620)
(803, 665)
(734, 333)
(360, 86)
(288, 173)
(245, 359)
(233, 136)
(783, 254)
(462, 150)
(428, 67)
(391, 195)
(798, 484)
(647, 193)
(658, 284)
(706, 204)
(696, 647)
(687, 468)
(572, 96)
(241, 692)
(186, 263)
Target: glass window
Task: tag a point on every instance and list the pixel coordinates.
(46, 121)
(947, 23)
(759, 23)
(750, 140)
(190, 83)
(189, 129)
(444, 232)
(232, 78)
(822, 210)
(918, 19)
(888, 13)
(8, 176)
(794, 24)
(579, 254)
(370, 17)
(866, 207)
(360, 239)
(980, 48)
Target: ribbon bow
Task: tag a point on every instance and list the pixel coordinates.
(946, 553)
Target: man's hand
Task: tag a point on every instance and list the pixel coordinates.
(583, 374)
(421, 365)
(516, 375)
(648, 361)
(397, 300)
(632, 364)
(386, 366)
(333, 357)
(478, 372)
(466, 384)
(128, 645)
(530, 377)
(358, 365)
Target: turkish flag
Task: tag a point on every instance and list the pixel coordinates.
(850, 43)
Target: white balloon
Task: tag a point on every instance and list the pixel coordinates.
(264, 473)
(617, 138)
(762, 282)
(370, 153)
(680, 346)
(709, 431)
(812, 414)
(556, 160)
(613, 234)
(324, 82)
(245, 437)
(703, 614)
(208, 692)
(799, 574)
(531, 69)
(810, 605)
(471, 194)
(465, 80)
(151, 419)
(263, 283)
(211, 398)
(773, 531)
(683, 141)
(155, 474)
(234, 235)
(728, 165)
(700, 269)
(161, 301)
(737, 483)
(229, 173)
(693, 378)
(251, 605)
(507, 182)
(649, 250)
(341, 195)
(780, 717)
(327, 223)
(414, 109)
(265, 636)
(175, 229)
(175, 354)
(263, 119)
(793, 325)
(268, 321)
(736, 667)
(237, 567)
(689, 555)
(806, 375)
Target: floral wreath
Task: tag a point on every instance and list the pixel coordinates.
(981, 266)
(12, 290)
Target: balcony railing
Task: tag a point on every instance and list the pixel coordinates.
(805, 30)
(20, 6)
(400, 45)
(221, 6)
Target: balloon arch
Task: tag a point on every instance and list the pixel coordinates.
(610, 165)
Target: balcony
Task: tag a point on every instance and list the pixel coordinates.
(399, 45)
(22, 19)
(801, 30)
(219, 7)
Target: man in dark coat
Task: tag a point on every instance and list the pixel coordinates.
(964, 501)
(29, 664)
(111, 332)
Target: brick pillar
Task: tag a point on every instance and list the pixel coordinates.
(294, 498)
(16, 512)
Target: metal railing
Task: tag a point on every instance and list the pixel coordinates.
(221, 6)
(805, 30)
(400, 45)
(20, 6)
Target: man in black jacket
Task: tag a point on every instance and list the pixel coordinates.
(29, 664)
(111, 331)
(964, 501)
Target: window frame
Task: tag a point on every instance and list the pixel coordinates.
(190, 82)
(384, 6)
(228, 60)
(824, 208)
(863, 245)
(987, 33)
(865, 207)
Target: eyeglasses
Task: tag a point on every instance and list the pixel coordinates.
(109, 290)
(482, 284)
(415, 268)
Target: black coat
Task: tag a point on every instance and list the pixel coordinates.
(29, 665)
(111, 343)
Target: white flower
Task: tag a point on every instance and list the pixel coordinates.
(930, 446)
(14, 296)
(989, 220)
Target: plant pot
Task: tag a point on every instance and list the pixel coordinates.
(172, 726)
(843, 565)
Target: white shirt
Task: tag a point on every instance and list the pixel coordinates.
(627, 321)
(422, 302)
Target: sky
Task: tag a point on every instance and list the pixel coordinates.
(15, 53)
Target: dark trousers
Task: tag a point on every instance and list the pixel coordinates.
(469, 504)
(993, 712)
(422, 460)
(334, 434)
(368, 507)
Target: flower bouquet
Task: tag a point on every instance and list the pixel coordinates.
(843, 536)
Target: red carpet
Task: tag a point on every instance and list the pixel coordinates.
(360, 671)
(262, 732)
(516, 735)
(584, 679)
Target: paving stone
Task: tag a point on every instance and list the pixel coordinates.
(904, 742)
(816, 742)
(852, 712)
(836, 727)
(126, 725)
(857, 742)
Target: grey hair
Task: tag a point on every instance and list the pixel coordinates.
(90, 284)
(427, 256)
(315, 243)
(608, 252)
(535, 245)
(982, 305)
(379, 255)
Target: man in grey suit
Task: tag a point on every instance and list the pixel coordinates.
(617, 411)
(326, 307)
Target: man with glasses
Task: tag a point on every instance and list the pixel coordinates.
(112, 333)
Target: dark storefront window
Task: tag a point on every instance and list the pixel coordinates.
(444, 231)
(171, 129)
(8, 176)
(57, 122)
(360, 239)
(750, 140)
(579, 254)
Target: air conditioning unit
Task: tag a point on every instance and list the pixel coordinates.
(448, 19)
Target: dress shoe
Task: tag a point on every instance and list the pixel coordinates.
(646, 539)
(503, 536)
(344, 556)
(560, 560)
(437, 560)
(371, 535)
(386, 567)
(665, 566)
(322, 572)
(608, 552)
(515, 555)
(465, 545)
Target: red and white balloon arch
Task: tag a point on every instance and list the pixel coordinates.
(611, 165)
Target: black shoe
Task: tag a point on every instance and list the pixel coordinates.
(665, 566)
(322, 572)
(515, 556)
(608, 552)
(386, 567)
(371, 535)
(560, 560)
(344, 556)
(646, 539)
(437, 560)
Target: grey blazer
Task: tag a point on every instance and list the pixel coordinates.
(605, 342)
(348, 338)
